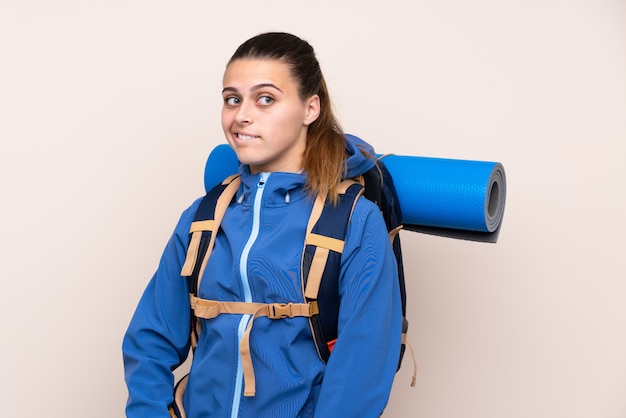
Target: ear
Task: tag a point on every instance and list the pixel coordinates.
(311, 109)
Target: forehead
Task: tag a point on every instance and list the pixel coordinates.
(250, 71)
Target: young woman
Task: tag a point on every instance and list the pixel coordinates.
(277, 117)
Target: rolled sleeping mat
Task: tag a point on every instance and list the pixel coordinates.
(461, 199)
(222, 162)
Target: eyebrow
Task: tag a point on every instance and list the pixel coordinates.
(254, 88)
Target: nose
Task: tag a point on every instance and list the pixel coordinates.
(243, 115)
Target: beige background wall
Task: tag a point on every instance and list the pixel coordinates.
(108, 110)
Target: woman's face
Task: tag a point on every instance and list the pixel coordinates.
(263, 117)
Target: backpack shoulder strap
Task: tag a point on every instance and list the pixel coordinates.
(321, 262)
(203, 231)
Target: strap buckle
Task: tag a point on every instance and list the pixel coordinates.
(281, 310)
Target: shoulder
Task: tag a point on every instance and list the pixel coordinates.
(186, 218)
(367, 247)
(366, 208)
(367, 222)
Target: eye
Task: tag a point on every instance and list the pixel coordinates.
(266, 100)
(231, 101)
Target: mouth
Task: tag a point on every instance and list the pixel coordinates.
(245, 137)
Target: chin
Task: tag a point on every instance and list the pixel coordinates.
(246, 158)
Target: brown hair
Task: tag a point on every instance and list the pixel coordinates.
(324, 157)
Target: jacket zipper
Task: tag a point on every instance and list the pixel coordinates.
(247, 293)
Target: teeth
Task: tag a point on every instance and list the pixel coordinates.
(245, 137)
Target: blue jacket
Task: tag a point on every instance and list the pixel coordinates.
(257, 258)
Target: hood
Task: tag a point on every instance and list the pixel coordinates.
(357, 163)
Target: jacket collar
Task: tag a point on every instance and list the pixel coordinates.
(280, 188)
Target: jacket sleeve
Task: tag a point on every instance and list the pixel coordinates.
(157, 339)
(361, 368)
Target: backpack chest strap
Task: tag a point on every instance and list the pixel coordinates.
(208, 309)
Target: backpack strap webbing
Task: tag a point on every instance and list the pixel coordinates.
(321, 262)
(208, 309)
(203, 232)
